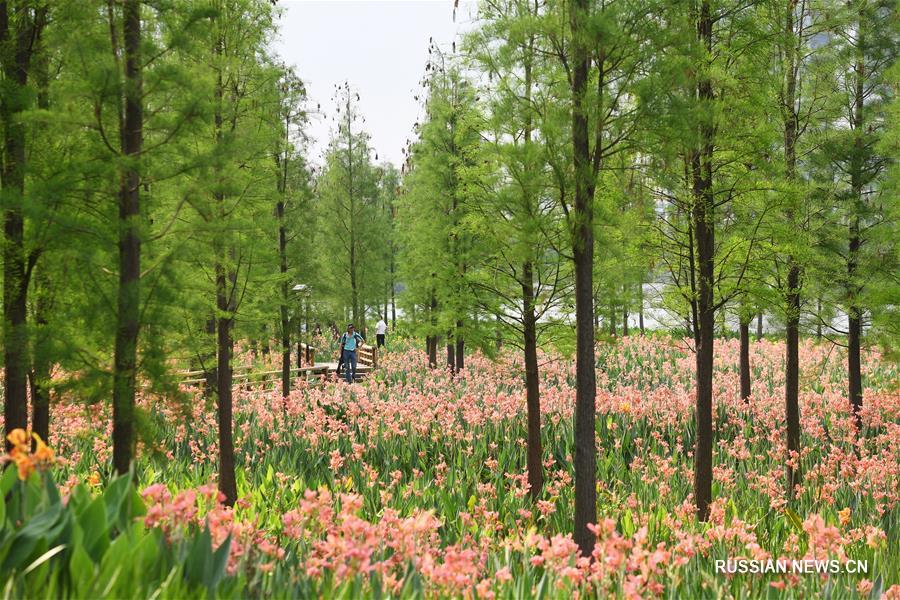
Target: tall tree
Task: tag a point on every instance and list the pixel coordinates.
(21, 27)
(444, 173)
(713, 180)
(795, 27)
(347, 210)
(519, 276)
(586, 165)
(292, 115)
(128, 295)
(858, 163)
(601, 66)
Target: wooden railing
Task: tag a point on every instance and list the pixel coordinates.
(242, 375)
(367, 360)
(367, 356)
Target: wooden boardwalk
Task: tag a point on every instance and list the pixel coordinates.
(317, 372)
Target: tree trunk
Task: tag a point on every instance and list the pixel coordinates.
(41, 364)
(451, 352)
(854, 287)
(854, 373)
(432, 348)
(792, 377)
(745, 360)
(641, 307)
(17, 47)
(285, 295)
(460, 347)
(532, 385)
(583, 255)
(704, 234)
(792, 358)
(819, 319)
(759, 326)
(128, 296)
(693, 319)
(225, 305)
(224, 345)
(354, 284)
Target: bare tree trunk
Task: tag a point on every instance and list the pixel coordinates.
(759, 326)
(460, 347)
(224, 345)
(225, 305)
(704, 233)
(792, 378)
(854, 371)
(128, 296)
(432, 348)
(854, 311)
(583, 254)
(532, 385)
(41, 364)
(285, 319)
(745, 360)
(819, 319)
(641, 307)
(432, 352)
(792, 358)
(451, 352)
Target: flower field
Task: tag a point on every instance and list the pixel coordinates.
(413, 484)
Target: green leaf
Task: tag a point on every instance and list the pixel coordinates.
(81, 570)
(114, 496)
(8, 479)
(219, 562)
(44, 558)
(794, 519)
(198, 564)
(93, 522)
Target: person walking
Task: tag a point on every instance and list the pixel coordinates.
(350, 341)
(380, 332)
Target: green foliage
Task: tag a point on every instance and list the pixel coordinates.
(442, 190)
(88, 546)
(353, 220)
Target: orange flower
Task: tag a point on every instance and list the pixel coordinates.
(23, 462)
(844, 516)
(43, 453)
(21, 454)
(18, 438)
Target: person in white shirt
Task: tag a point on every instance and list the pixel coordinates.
(380, 331)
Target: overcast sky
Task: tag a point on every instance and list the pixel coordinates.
(380, 47)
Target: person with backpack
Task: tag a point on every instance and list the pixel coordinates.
(349, 343)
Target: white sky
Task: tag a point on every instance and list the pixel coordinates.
(380, 47)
